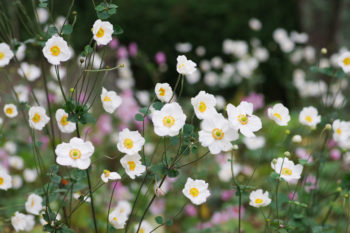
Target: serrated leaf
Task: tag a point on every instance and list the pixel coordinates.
(159, 219)
(139, 117)
(67, 29)
(158, 105)
(117, 30)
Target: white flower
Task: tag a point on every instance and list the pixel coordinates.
(169, 120)
(108, 175)
(56, 50)
(280, 114)
(254, 143)
(242, 118)
(102, 31)
(5, 180)
(184, 66)
(258, 198)
(287, 169)
(16, 162)
(344, 61)
(21, 52)
(130, 142)
(28, 71)
(309, 116)
(341, 130)
(203, 104)
(255, 24)
(194, 77)
(110, 100)
(10, 110)
(37, 117)
(146, 227)
(132, 165)
(34, 204)
(10, 147)
(217, 134)
(117, 220)
(225, 172)
(17, 182)
(30, 175)
(43, 221)
(297, 138)
(5, 54)
(76, 153)
(196, 190)
(123, 207)
(22, 222)
(64, 125)
(43, 15)
(163, 92)
(22, 93)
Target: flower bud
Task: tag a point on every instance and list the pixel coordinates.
(324, 51)
(274, 161)
(287, 153)
(159, 192)
(297, 139)
(287, 132)
(235, 147)
(328, 127)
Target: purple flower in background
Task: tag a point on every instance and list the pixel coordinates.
(45, 141)
(4, 159)
(133, 48)
(303, 154)
(114, 43)
(191, 210)
(310, 183)
(256, 99)
(227, 194)
(292, 196)
(104, 123)
(335, 154)
(121, 192)
(332, 143)
(122, 52)
(158, 206)
(160, 58)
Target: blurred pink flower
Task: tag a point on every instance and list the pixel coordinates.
(121, 192)
(310, 183)
(133, 49)
(292, 196)
(160, 58)
(45, 141)
(303, 154)
(4, 158)
(256, 99)
(335, 154)
(114, 43)
(122, 52)
(104, 124)
(190, 210)
(227, 194)
(158, 206)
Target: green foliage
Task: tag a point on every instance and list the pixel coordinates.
(105, 10)
(67, 29)
(78, 112)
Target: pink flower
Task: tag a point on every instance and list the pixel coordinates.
(104, 124)
(160, 58)
(121, 192)
(256, 99)
(114, 43)
(190, 210)
(158, 206)
(335, 154)
(122, 52)
(303, 154)
(310, 183)
(227, 194)
(292, 196)
(133, 49)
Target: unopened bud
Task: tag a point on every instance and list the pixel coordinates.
(274, 161)
(296, 139)
(235, 147)
(324, 51)
(74, 12)
(328, 127)
(71, 90)
(287, 153)
(346, 195)
(287, 131)
(82, 60)
(159, 192)
(339, 189)
(121, 65)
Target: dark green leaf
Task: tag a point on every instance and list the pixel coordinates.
(159, 219)
(67, 29)
(139, 117)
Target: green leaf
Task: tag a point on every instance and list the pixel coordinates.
(117, 30)
(159, 219)
(89, 118)
(52, 30)
(56, 179)
(139, 117)
(144, 111)
(169, 222)
(158, 105)
(67, 29)
(274, 175)
(188, 129)
(173, 173)
(54, 168)
(174, 140)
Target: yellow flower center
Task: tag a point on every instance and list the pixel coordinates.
(100, 33)
(132, 165)
(181, 65)
(36, 118)
(278, 116)
(194, 192)
(75, 154)
(202, 107)
(107, 99)
(217, 134)
(106, 172)
(346, 61)
(1, 181)
(32, 203)
(141, 230)
(308, 119)
(243, 119)
(9, 111)
(168, 121)
(2, 55)
(258, 201)
(286, 171)
(64, 120)
(339, 131)
(115, 219)
(55, 50)
(128, 143)
(161, 91)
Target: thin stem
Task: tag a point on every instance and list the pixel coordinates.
(92, 200)
(110, 202)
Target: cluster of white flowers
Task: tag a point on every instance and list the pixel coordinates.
(120, 214)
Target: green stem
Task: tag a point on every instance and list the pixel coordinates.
(92, 200)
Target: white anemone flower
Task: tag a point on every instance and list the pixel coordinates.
(132, 165)
(145, 227)
(102, 31)
(216, 134)
(108, 175)
(279, 114)
(5, 180)
(344, 61)
(64, 125)
(169, 120)
(341, 130)
(242, 118)
(123, 207)
(16, 162)
(130, 142)
(110, 100)
(10, 110)
(258, 198)
(37, 117)
(76, 153)
(185, 66)
(34, 204)
(163, 92)
(254, 143)
(29, 71)
(6, 54)
(22, 222)
(289, 172)
(196, 190)
(56, 50)
(204, 104)
(117, 220)
(309, 116)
